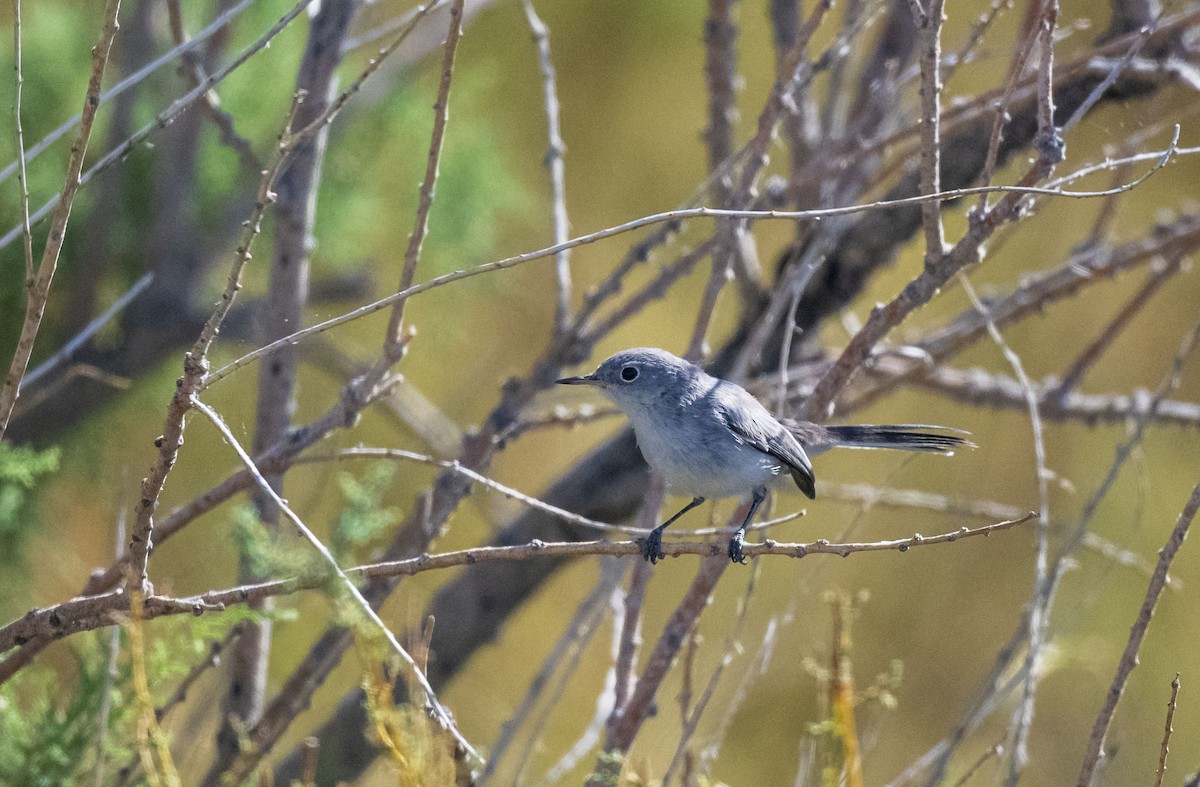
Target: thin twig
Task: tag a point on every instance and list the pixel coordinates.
(720, 75)
(23, 182)
(1016, 71)
(554, 163)
(193, 68)
(1157, 277)
(931, 142)
(335, 107)
(1164, 748)
(630, 634)
(605, 702)
(454, 466)
(575, 637)
(1162, 157)
(1129, 659)
(654, 290)
(632, 714)
(394, 341)
(89, 330)
(996, 751)
(37, 291)
(732, 648)
(1023, 718)
(1049, 141)
(575, 640)
(978, 30)
(1117, 69)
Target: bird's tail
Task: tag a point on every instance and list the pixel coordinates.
(906, 437)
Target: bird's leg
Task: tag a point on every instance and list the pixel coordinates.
(652, 544)
(735, 543)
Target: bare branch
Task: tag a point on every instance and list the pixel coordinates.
(211, 104)
(195, 367)
(23, 182)
(38, 286)
(931, 140)
(1129, 659)
(394, 341)
(89, 330)
(91, 612)
(1039, 609)
(1157, 277)
(1167, 730)
(554, 163)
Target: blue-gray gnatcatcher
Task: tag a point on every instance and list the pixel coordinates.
(710, 438)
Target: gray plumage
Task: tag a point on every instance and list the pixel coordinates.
(710, 438)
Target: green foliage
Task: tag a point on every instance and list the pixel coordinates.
(271, 554)
(608, 768)
(364, 518)
(281, 555)
(20, 469)
(47, 735)
(52, 730)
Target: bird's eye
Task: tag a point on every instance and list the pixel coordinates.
(629, 374)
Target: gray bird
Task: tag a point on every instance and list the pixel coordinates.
(710, 438)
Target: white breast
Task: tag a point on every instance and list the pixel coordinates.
(702, 458)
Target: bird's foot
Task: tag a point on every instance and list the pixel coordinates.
(735, 547)
(652, 546)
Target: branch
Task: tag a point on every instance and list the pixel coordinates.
(931, 141)
(91, 612)
(195, 367)
(979, 387)
(38, 286)
(22, 181)
(1164, 749)
(394, 342)
(1129, 659)
(554, 163)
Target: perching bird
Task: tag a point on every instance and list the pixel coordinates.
(710, 438)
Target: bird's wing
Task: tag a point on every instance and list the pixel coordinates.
(750, 422)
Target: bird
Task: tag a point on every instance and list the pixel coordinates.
(710, 438)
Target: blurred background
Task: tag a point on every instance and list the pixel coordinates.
(926, 625)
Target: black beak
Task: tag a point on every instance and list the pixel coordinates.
(587, 379)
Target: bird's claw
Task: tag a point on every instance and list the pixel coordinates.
(735, 548)
(652, 547)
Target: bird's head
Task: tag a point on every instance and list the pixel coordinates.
(643, 376)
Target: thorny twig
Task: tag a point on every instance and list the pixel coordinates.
(37, 289)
